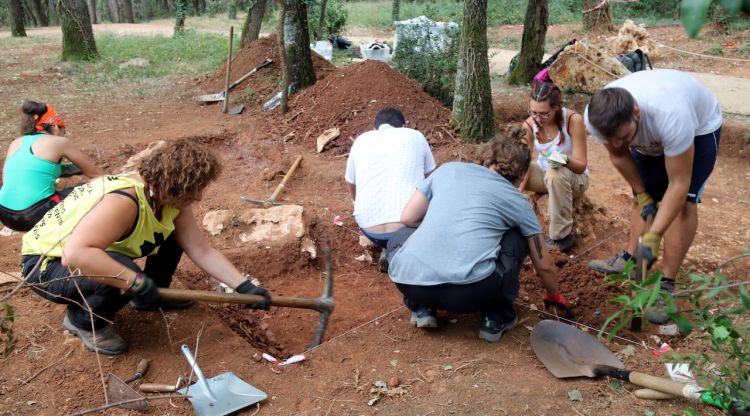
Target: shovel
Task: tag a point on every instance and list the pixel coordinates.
(567, 352)
(219, 96)
(220, 395)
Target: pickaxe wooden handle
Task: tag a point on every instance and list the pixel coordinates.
(323, 304)
(272, 199)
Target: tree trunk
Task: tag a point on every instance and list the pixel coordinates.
(180, 12)
(472, 104)
(29, 14)
(40, 12)
(532, 43)
(396, 10)
(114, 11)
(253, 21)
(322, 21)
(297, 45)
(280, 34)
(52, 12)
(165, 6)
(17, 27)
(78, 36)
(127, 11)
(596, 17)
(93, 15)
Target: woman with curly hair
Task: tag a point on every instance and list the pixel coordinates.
(102, 226)
(474, 230)
(32, 165)
(559, 138)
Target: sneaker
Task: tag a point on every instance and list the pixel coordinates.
(657, 314)
(383, 261)
(164, 304)
(108, 342)
(563, 244)
(424, 318)
(613, 265)
(492, 330)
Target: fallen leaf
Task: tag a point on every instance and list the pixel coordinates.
(575, 395)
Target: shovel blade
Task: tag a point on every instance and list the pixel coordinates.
(231, 392)
(566, 351)
(236, 110)
(210, 98)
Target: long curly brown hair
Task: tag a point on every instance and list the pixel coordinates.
(179, 171)
(509, 156)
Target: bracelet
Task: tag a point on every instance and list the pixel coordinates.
(136, 285)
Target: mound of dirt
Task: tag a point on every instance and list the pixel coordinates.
(265, 83)
(349, 99)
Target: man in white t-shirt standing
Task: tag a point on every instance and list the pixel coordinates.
(383, 170)
(662, 130)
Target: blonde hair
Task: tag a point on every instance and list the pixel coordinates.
(179, 170)
(509, 156)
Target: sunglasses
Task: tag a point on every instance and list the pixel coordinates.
(542, 115)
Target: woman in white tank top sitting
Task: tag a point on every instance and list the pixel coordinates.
(558, 136)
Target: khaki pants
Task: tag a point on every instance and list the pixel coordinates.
(561, 185)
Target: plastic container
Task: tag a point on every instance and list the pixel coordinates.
(324, 49)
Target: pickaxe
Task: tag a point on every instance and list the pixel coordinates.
(272, 199)
(323, 304)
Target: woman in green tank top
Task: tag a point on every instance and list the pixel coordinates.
(32, 165)
(103, 225)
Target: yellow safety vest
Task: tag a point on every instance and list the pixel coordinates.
(48, 236)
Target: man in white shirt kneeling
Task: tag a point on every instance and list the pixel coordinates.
(382, 172)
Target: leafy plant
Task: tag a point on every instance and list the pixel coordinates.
(336, 17)
(718, 313)
(431, 59)
(694, 13)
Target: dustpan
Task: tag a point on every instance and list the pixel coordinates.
(119, 391)
(220, 395)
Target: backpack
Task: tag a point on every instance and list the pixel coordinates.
(635, 61)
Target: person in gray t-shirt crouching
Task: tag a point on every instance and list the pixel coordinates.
(474, 231)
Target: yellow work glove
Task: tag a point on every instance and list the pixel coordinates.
(646, 204)
(651, 242)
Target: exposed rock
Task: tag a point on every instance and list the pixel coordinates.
(216, 221)
(282, 223)
(364, 241)
(631, 37)
(132, 163)
(585, 67)
(308, 246)
(326, 137)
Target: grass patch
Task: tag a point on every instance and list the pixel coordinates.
(189, 54)
(12, 43)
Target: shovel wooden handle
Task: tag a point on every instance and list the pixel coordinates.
(664, 385)
(650, 394)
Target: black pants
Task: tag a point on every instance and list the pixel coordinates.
(25, 219)
(104, 300)
(492, 296)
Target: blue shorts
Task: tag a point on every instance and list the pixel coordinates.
(653, 170)
(379, 239)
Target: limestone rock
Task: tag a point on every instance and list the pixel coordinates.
(308, 246)
(631, 37)
(364, 241)
(326, 137)
(585, 67)
(216, 221)
(276, 224)
(132, 163)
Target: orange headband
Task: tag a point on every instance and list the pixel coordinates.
(50, 118)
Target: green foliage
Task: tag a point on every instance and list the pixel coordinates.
(434, 67)
(694, 13)
(180, 12)
(232, 10)
(335, 21)
(188, 54)
(717, 314)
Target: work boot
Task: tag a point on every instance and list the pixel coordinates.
(613, 265)
(164, 305)
(424, 318)
(563, 244)
(657, 314)
(383, 261)
(108, 342)
(492, 330)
